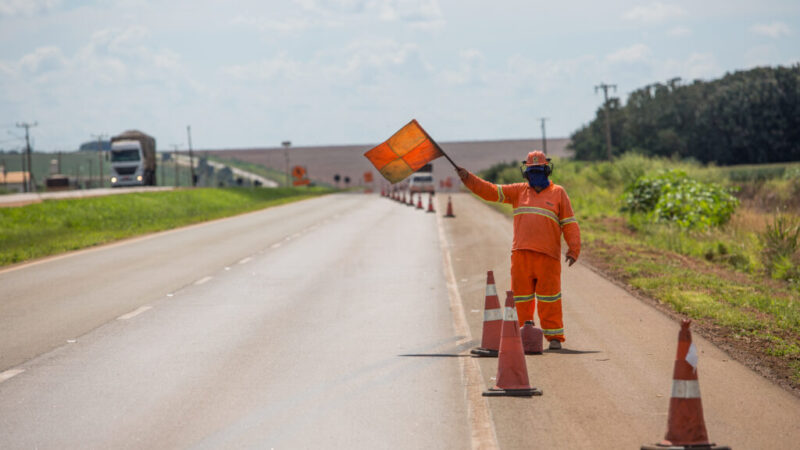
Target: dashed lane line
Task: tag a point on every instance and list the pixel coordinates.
(11, 373)
(246, 260)
(134, 313)
(203, 280)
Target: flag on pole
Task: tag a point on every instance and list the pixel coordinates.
(404, 153)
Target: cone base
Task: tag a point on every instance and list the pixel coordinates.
(534, 353)
(685, 447)
(450, 215)
(497, 392)
(484, 352)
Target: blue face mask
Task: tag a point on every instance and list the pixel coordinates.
(537, 177)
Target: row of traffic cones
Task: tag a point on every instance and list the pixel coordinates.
(503, 338)
(408, 199)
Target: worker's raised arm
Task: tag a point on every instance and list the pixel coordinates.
(482, 188)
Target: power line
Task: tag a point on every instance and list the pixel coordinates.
(605, 88)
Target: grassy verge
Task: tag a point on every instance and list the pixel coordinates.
(718, 277)
(53, 227)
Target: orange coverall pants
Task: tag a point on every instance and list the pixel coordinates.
(536, 276)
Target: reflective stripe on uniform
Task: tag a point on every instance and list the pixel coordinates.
(569, 220)
(548, 298)
(523, 298)
(510, 314)
(491, 290)
(492, 314)
(500, 197)
(552, 332)
(534, 210)
(685, 389)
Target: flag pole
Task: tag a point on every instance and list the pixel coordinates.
(435, 143)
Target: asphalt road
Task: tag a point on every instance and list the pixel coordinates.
(338, 322)
(319, 324)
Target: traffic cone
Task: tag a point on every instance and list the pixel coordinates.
(686, 428)
(419, 201)
(512, 373)
(410, 200)
(492, 321)
(449, 207)
(532, 338)
(430, 206)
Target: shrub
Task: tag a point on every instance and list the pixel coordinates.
(781, 241)
(672, 196)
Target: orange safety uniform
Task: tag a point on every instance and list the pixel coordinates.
(539, 220)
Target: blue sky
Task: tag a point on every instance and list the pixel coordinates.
(316, 72)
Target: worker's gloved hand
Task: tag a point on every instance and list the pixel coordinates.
(462, 173)
(569, 260)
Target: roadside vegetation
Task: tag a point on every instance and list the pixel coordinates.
(718, 244)
(56, 226)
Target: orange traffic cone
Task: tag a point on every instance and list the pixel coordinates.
(492, 321)
(686, 428)
(430, 206)
(410, 200)
(512, 373)
(449, 207)
(419, 201)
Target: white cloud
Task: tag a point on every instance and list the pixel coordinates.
(289, 25)
(773, 30)
(654, 12)
(679, 32)
(26, 7)
(695, 66)
(417, 13)
(634, 53)
(43, 59)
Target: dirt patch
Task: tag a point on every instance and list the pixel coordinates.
(748, 350)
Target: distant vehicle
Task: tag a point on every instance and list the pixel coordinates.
(133, 159)
(422, 180)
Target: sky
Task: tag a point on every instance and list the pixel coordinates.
(328, 72)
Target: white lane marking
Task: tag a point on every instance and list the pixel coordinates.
(202, 281)
(11, 373)
(246, 260)
(134, 313)
(296, 235)
(71, 341)
(482, 426)
(275, 245)
(227, 268)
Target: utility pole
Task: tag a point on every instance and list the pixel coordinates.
(29, 182)
(99, 155)
(605, 87)
(286, 145)
(175, 162)
(544, 137)
(191, 155)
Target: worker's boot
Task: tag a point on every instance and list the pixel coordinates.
(555, 344)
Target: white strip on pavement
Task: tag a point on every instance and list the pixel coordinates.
(246, 260)
(134, 313)
(11, 373)
(202, 281)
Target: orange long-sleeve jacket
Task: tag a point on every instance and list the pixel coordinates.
(539, 217)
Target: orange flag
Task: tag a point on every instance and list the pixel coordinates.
(404, 153)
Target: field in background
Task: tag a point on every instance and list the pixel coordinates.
(53, 227)
(721, 277)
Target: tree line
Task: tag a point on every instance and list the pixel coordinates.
(746, 117)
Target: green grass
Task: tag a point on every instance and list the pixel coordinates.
(57, 226)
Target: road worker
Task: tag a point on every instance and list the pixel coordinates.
(542, 211)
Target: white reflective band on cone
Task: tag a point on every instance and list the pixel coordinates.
(685, 389)
(491, 290)
(510, 314)
(492, 314)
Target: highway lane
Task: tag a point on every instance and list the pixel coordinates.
(313, 325)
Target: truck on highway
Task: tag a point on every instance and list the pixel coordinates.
(422, 180)
(133, 159)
